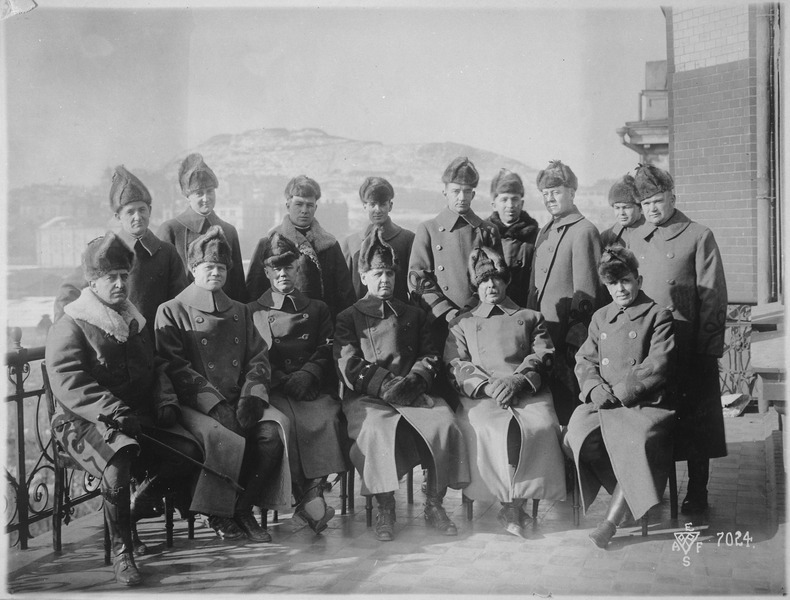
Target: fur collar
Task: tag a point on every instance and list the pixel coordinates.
(317, 236)
(525, 229)
(90, 309)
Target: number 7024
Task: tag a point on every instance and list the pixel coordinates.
(737, 538)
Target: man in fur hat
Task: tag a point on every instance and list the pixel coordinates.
(684, 273)
(387, 364)
(376, 194)
(563, 285)
(517, 229)
(624, 199)
(199, 186)
(299, 331)
(498, 355)
(323, 274)
(219, 366)
(109, 388)
(157, 274)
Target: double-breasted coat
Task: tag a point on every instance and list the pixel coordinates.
(187, 227)
(498, 340)
(157, 275)
(299, 332)
(373, 339)
(100, 362)
(633, 351)
(564, 288)
(683, 272)
(214, 353)
(401, 241)
(518, 245)
(617, 234)
(323, 274)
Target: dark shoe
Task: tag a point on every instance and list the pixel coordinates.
(693, 505)
(250, 527)
(315, 513)
(510, 518)
(603, 533)
(126, 572)
(225, 528)
(436, 517)
(385, 524)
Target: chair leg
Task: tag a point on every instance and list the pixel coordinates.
(369, 511)
(343, 493)
(643, 521)
(107, 544)
(673, 492)
(264, 517)
(469, 504)
(275, 516)
(576, 499)
(191, 526)
(410, 487)
(351, 490)
(169, 520)
(535, 504)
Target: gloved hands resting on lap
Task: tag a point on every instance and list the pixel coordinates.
(224, 414)
(249, 411)
(505, 389)
(167, 416)
(301, 386)
(129, 424)
(603, 397)
(406, 391)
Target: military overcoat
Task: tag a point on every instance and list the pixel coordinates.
(518, 245)
(617, 234)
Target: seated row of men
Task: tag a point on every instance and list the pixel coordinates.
(265, 371)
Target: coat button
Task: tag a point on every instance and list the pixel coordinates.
(235, 340)
(441, 228)
(271, 319)
(235, 363)
(671, 307)
(671, 281)
(550, 248)
(211, 365)
(446, 288)
(305, 315)
(545, 270)
(670, 255)
(520, 322)
(641, 258)
(603, 336)
(235, 317)
(204, 341)
(441, 268)
(632, 361)
(632, 334)
(287, 361)
(523, 346)
(276, 340)
(438, 246)
(605, 361)
(199, 319)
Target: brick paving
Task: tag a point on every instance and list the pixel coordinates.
(747, 493)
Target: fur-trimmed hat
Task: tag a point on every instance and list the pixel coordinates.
(279, 252)
(506, 182)
(127, 188)
(485, 262)
(194, 175)
(212, 246)
(376, 189)
(304, 187)
(461, 171)
(105, 254)
(617, 262)
(375, 253)
(624, 191)
(650, 180)
(555, 175)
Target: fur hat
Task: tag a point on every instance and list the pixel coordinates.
(506, 182)
(212, 246)
(557, 174)
(485, 262)
(304, 187)
(617, 262)
(127, 188)
(279, 252)
(375, 253)
(624, 191)
(105, 254)
(195, 175)
(461, 171)
(376, 189)
(650, 180)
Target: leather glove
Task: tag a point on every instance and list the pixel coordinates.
(249, 411)
(224, 414)
(501, 393)
(129, 424)
(167, 416)
(601, 395)
(301, 385)
(405, 390)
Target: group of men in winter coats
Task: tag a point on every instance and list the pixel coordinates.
(479, 348)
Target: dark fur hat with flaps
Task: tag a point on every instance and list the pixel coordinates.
(485, 262)
(212, 246)
(127, 188)
(650, 180)
(616, 263)
(506, 182)
(376, 189)
(194, 175)
(624, 191)
(555, 175)
(105, 254)
(375, 253)
(461, 171)
(304, 187)
(279, 252)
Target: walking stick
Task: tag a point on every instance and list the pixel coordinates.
(113, 424)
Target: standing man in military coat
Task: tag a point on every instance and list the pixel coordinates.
(376, 194)
(684, 273)
(323, 274)
(624, 200)
(563, 284)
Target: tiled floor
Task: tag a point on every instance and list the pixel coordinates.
(746, 494)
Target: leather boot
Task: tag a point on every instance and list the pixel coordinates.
(312, 508)
(696, 500)
(117, 515)
(385, 519)
(436, 516)
(603, 533)
(510, 518)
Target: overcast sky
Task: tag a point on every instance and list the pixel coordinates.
(89, 88)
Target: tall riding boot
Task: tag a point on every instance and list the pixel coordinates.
(385, 519)
(435, 515)
(607, 528)
(312, 507)
(117, 515)
(146, 503)
(696, 500)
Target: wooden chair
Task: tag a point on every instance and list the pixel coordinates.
(369, 498)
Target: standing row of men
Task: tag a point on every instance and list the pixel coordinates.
(212, 350)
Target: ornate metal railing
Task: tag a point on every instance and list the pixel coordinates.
(30, 475)
(735, 374)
